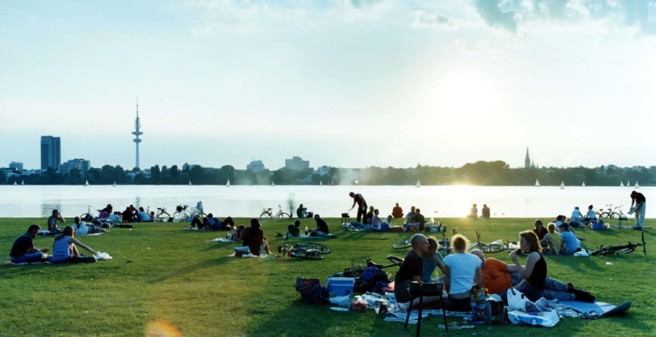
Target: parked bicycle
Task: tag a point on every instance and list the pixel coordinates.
(488, 248)
(622, 249)
(304, 250)
(444, 249)
(357, 269)
(611, 212)
(269, 212)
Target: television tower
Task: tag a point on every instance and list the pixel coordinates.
(137, 132)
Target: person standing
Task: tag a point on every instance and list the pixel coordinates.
(23, 250)
(362, 204)
(638, 205)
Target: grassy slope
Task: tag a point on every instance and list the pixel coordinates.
(161, 272)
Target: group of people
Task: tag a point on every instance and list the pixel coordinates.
(64, 247)
(465, 271)
(485, 211)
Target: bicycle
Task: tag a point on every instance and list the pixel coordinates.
(357, 269)
(488, 248)
(622, 249)
(269, 212)
(304, 250)
(444, 244)
(611, 212)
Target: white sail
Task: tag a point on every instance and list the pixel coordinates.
(418, 184)
(636, 185)
(562, 185)
(114, 184)
(537, 183)
(189, 182)
(15, 183)
(272, 184)
(320, 182)
(22, 182)
(228, 183)
(86, 183)
(621, 184)
(583, 184)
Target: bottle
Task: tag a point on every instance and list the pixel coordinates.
(306, 230)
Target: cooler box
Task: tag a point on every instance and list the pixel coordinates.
(340, 286)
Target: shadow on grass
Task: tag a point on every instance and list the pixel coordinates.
(192, 268)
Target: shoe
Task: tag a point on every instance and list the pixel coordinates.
(638, 228)
(278, 234)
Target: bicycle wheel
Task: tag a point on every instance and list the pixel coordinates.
(605, 215)
(444, 251)
(401, 244)
(321, 249)
(615, 215)
(604, 251)
(444, 242)
(625, 250)
(283, 215)
(306, 254)
(491, 248)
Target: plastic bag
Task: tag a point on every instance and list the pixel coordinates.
(546, 319)
(516, 300)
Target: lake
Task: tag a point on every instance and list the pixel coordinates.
(329, 201)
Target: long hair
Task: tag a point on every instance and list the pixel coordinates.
(532, 241)
(68, 231)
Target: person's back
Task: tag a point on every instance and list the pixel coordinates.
(294, 229)
(496, 277)
(462, 271)
(21, 246)
(570, 242)
(419, 218)
(486, 211)
(62, 249)
(397, 212)
(143, 216)
(254, 237)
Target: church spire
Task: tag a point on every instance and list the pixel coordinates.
(527, 160)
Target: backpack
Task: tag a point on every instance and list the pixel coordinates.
(372, 279)
(310, 289)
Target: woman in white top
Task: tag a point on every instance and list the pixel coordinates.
(462, 273)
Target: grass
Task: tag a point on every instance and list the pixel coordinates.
(161, 273)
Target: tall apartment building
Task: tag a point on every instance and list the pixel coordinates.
(297, 163)
(50, 152)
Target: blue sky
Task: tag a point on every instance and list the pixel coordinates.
(341, 83)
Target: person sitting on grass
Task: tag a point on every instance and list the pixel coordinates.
(462, 272)
(432, 260)
(254, 241)
(322, 227)
(539, 229)
(547, 242)
(534, 273)
(237, 234)
(498, 277)
(84, 228)
(397, 211)
(411, 270)
(569, 244)
(301, 212)
(590, 216)
(53, 220)
(294, 230)
(576, 215)
(23, 250)
(410, 217)
(143, 215)
(65, 249)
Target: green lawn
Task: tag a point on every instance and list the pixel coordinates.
(160, 272)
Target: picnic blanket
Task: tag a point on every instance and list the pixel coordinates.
(220, 240)
(248, 255)
(10, 263)
(597, 309)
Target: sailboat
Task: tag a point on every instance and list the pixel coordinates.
(272, 184)
(228, 183)
(628, 183)
(537, 183)
(418, 184)
(636, 185)
(320, 182)
(562, 185)
(583, 184)
(22, 182)
(86, 183)
(15, 183)
(189, 182)
(621, 184)
(114, 184)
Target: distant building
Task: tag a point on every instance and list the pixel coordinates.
(50, 152)
(16, 166)
(323, 170)
(255, 166)
(297, 163)
(80, 164)
(527, 160)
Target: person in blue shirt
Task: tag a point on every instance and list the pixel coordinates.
(569, 244)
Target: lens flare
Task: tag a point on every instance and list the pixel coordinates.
(161, 328)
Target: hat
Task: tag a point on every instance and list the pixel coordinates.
(564, 225)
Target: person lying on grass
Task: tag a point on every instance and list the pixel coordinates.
(23, 250)
(499, 277)
(84, 228)
(65, 248)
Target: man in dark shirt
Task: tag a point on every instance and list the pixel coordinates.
(539, 229)
(294, 229)
(411, 270)
(254, 238)
(638, 205)
(23, 249)
(419, 218)
(322, 227)
(362, 204)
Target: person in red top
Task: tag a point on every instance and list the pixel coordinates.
(397, 211)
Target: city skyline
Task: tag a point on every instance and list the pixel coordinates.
(338, 83)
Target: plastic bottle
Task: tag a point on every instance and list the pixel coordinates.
(306, 230)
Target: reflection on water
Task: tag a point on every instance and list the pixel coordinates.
(329, 201)
(47, 207)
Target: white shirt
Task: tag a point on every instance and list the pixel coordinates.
(462, 268)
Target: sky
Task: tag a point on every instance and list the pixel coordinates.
(344, 83)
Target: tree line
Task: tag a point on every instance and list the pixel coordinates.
(493, 173)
